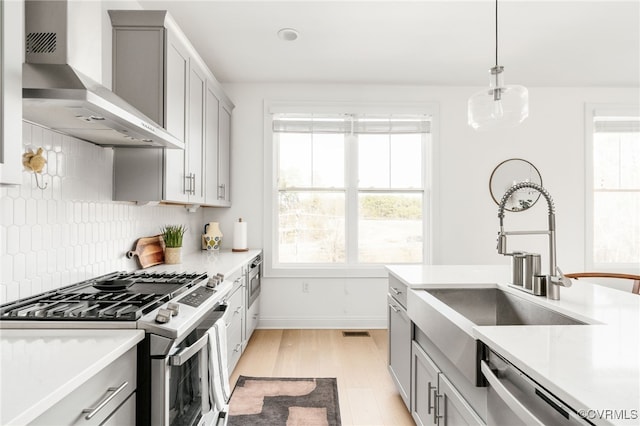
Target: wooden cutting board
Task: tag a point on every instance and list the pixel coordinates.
(150, 251)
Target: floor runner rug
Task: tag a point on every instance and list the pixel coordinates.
(275, 401)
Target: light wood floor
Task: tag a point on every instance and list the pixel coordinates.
(367, 394)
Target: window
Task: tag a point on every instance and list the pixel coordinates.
(613, 188)
(349, 189)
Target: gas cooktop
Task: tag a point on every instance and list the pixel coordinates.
(119, 296)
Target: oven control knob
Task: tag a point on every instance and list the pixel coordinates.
(214, 281)
(163, 316)
(174, 308)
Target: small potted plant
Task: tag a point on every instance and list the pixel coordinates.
(172, 236)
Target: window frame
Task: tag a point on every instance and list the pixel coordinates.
(270, 224)
(593, 110)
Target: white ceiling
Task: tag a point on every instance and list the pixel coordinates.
(446, 42)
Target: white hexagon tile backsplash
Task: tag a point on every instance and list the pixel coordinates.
(71, 230)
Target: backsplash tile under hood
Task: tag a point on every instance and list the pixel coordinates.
(71, 230)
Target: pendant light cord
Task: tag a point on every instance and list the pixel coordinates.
(496, 33)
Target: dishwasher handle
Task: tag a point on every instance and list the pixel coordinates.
(512, 402)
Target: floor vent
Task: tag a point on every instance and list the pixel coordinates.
(355, 334)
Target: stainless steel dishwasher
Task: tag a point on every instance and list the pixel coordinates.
(514, 399)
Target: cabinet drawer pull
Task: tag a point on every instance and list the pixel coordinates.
(395, 309)
(396, 291)
(115, 391)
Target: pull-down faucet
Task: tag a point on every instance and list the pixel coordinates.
(553, 281)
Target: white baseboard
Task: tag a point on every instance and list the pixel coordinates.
(324, 323)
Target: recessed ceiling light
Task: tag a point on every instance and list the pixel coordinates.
(288, 34)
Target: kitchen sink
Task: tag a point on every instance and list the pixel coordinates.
(491, 306)
(446, 317)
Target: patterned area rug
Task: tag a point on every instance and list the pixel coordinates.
(273, 401)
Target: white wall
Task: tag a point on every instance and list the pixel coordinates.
(552, 138)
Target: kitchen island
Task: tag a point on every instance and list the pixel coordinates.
(594, 368)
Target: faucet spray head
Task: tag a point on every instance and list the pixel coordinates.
(502, 243)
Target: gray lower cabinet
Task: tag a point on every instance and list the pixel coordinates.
(434, 399)
(106, 398)
(424, 386)
(400, 330)
(234, 320)
(252, 317)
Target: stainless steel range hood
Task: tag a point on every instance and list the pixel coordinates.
(59, 97)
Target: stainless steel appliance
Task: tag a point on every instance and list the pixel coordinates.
(254, 279)
(182, 371)
(59, 97)
(515, 399)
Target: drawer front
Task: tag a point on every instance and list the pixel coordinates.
(253, 315)
(108, 387)
(235, 308)
(125, 415)
(398, 290)
(234, 345)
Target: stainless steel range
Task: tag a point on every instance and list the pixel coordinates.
(182, 371)
(120, 296)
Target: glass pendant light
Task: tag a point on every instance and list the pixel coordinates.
(501, 105)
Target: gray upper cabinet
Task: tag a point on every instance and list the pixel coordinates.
(158, 71)
(11, 58)
(224, 159)
(211, 129)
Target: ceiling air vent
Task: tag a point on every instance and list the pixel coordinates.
(41, 42)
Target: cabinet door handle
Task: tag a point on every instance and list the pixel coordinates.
(114, 391)
(237, 348)
(430, 406)
(190, 184)
(436, 407)
(224, 191)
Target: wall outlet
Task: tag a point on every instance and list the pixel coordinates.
(305, 287)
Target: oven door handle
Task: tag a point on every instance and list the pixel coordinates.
(188, 352)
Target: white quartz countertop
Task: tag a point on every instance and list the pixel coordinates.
(41, 367)
(591, 367)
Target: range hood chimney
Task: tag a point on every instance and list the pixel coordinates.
(61, 98)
